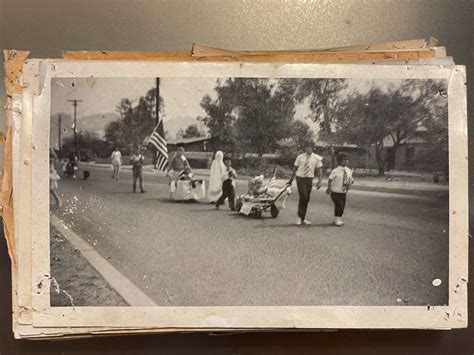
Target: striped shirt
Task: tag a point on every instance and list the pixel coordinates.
(341, 178)
(307, 164)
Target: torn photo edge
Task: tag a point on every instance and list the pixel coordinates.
(34, 141)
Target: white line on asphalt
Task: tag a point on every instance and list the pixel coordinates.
(122, 285)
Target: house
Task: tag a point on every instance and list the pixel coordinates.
(198, 144)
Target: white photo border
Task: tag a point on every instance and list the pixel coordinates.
(33, 215)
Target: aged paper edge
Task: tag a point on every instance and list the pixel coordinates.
(439, 53)
(13, 70)
(13, 67)
(452, 316)
(414, 44)
(286, 57)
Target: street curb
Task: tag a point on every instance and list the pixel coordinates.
(121, 284)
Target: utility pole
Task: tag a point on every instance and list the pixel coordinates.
(74, 103)
(59, 136)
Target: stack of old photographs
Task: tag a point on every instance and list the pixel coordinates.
(221, 190)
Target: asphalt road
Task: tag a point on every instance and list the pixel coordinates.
(188, 254)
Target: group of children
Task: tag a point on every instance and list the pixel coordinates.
(339, 183)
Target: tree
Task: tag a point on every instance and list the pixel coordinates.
(220, 122)
(88, 144)
(249, 114)
(136, 123)
(114, 134)
(361, 121)
(324, 99)
(192, 131)
(301, 134)
(413, 107)
(396, 114)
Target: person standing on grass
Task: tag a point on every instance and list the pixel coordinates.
(339, 183)
(116, 158)
(137, 168)
(306, 166)
(228, 185)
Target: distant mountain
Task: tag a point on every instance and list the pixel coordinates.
(173, 125)
(66, 128)
(95, 124)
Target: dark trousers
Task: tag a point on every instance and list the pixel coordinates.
(304, 191)
(137, 174)
(227, 192)
(339, 200)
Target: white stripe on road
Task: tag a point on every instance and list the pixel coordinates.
(122, 285)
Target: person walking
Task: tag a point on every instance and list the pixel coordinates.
(73, 164)
(116, 158)
(339, 182)
(218, 173)
(228, 186)
(306, 166)
(137, 169)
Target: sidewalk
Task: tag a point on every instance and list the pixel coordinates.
(363, 183)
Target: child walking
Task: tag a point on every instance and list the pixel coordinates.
(228, 185)
(339, 183)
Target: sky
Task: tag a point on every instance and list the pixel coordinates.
(181, 96)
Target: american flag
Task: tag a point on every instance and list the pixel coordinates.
(157, 138)
(273, 179)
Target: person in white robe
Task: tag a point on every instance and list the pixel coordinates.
(218, 173)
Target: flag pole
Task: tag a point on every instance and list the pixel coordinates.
(157, 115)
(157, 100)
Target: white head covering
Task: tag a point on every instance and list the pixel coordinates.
(218, 171)
(259, 178)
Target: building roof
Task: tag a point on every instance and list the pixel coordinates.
(187, 140)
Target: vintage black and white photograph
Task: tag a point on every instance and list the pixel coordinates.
(232, 191)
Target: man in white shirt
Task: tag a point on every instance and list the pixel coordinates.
(137, 169)
(306, 166)
(116, 158)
